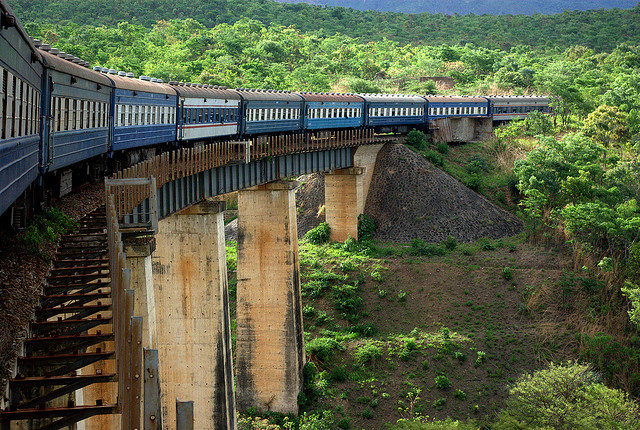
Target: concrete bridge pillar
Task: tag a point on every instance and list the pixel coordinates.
(192, 316)
(270, 342)
(344, 200)
(345, 193)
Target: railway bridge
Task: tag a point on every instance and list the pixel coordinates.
(169, 313)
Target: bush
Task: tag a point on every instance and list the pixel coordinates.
(566, 396)
(421, 424)
(460, 395)
(319, 235)
(442, 382)
(450, 243)
(344, 423)
(322, 347)
(416, 139)
(419, 247)
(434, 158)
(366, 228)
(507, 273)
(368, 354)
(45, 229)
(442, 148)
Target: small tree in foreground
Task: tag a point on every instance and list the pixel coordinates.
(566, 396)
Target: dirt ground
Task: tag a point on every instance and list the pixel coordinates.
(466, 293)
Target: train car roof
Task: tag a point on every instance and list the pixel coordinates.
(390, 98)
(134, 84)
(518, 98)
(61, 65)
(204, 91)
(456, 99)
(330, 97)
(6, 9)
(267, 95)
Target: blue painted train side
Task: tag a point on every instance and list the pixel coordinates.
(20, 103)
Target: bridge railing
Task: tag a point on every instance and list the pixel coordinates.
(170, 166)
(127, 329)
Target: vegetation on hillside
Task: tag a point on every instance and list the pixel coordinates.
(477, 7)
(599, 29)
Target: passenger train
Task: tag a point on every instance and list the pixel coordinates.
(63, 121)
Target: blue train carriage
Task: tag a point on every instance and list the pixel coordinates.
(394, 112)
(332, 111)
(457, 106)
(20, 104)
(145, 113)
(270, 111)
(75, 133)
(507, 108)
(206, 111)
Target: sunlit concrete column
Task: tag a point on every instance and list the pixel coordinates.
(270, 342)
(344, 200)
(138, 253)
(192, 316)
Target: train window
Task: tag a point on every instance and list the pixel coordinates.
(80, 114)
(3, 99)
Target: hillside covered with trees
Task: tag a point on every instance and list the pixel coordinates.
(600, 30)
(477, 7)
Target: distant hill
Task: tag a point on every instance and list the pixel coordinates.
(477, 7)
(600, 29)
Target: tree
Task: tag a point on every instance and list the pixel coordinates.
(607, 125)
(566, 397)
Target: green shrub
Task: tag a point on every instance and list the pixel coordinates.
(416, 139)
(421, 424)
(338, 374)
(474, 182)
(442, 382)
(367, 414)
(450, 243)
(402, 296)
(368, 354)
(442, 148)
(366, 228)
(317, 421)
(567, 396)
(322, 348)
(434, 157)
(344, 424)
(419, 247)
(309, 311)
(460, 395)
(507, 274)
(439, 403)
(319, 235)
(46, 228)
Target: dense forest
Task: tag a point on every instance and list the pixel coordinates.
(600, 30)
(478, 7)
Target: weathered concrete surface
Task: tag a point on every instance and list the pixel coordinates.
(192, 316)
(471, 129)
(139, 262)
(344, 200)
(365, 157)
(270, 342)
